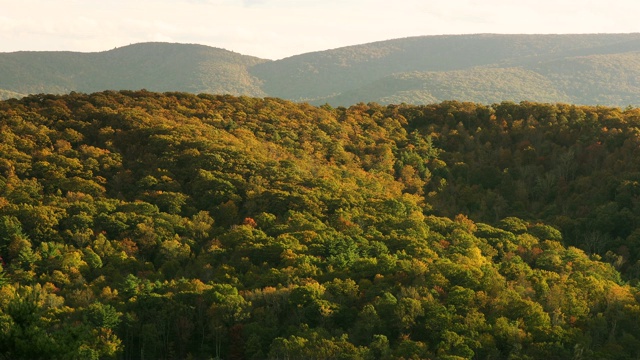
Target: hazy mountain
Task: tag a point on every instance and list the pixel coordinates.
(154, 66)
(585, 69)
(6, 94)
(351, 72)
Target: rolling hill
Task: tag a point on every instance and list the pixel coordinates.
(594, 69)
(155, 66)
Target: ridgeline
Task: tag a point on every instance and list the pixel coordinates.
(590, 69)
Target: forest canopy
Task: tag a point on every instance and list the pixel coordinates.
(160, 226)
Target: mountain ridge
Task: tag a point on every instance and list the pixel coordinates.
(193, 68)
(346, 75)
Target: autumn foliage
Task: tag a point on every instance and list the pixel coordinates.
(160, 226)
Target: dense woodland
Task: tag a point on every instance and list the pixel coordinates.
(139, 225)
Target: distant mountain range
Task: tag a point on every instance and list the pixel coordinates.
(596, 69)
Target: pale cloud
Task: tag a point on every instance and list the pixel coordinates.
(278, 28)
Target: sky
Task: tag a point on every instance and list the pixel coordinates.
(274, 29)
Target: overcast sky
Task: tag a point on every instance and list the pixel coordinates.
(274, 29)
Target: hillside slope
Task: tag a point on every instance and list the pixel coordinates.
(152, 66)
(595, 69)
(182, 226)
(481, 84)
(316, 76)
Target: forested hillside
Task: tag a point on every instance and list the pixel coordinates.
(484, 85)
(595, 69)
(154, 66)
(598, 69)
(139, 225)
